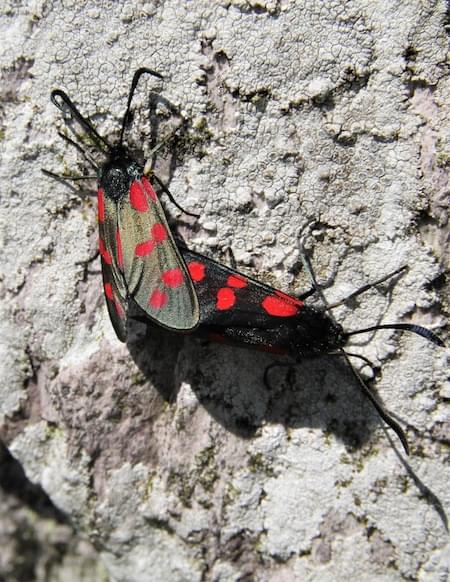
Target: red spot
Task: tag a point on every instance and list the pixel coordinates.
(158, 299)
(119, 250)
(101, 246)
(104, 253)
(148, 188)
(159, 232)
(110, 295)
(145, 248)
(109, 291)
(237, 281)
(173, 278)
(119, 308)
(196, 271)
(101, 205)
(290, 299)
(279, 306)
(225, 298)
(138, 199)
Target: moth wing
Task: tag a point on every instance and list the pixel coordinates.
(113, 282)
(154, 272)
(117, 306)
(230, 299)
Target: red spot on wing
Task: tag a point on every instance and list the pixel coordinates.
(173, 278)
(159, 232)
(158, 299)
(145, 248)
(119, 250)
(111, 296)
(148, 188)
(103, 252)
(279, 306)
(119, 308)
(109, 291)
(225, 298)
(138, 199)
(101, 205)
(196, 271)
(237, 281)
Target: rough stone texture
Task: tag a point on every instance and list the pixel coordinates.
(326, 119)
(37, 540)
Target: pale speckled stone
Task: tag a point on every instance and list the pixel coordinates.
(321, 121)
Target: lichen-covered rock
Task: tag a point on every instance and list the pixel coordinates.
(320, 121)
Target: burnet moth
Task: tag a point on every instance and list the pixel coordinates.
(139, 257)
(184, 291)
(242, 311)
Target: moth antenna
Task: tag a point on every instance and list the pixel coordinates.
(417, 329)
(365, 288)
(137, 75)
(384, 415)
(66, 102)
(411, 327)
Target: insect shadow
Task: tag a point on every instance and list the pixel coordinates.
(228, 383)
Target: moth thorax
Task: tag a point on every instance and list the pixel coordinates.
(117, 174)
(320, 335)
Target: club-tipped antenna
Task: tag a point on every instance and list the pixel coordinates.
(384, 415)
(137, 75)
(67, 103)
(411, 327)
(365, 288)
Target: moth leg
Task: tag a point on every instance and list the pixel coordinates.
(79, 149)
(148, 164)
(67, 177)
(353, 355)
(231, 258)
(90, 260)
(384, 414)
(171, 198)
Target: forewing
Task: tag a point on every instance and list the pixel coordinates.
(154, 271)
(110, 252)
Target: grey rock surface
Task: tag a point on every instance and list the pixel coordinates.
(325, 122)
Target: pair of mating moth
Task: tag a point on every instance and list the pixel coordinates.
(184, 291)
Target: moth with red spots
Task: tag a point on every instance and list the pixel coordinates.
(140, 260)
(242, 311)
